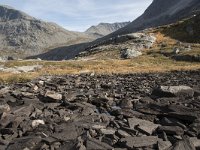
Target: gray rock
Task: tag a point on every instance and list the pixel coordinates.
(168, 91)
(130, 53)
(122, 134)
(164, 145)
(52, 96)
(108, 131)
(195, 142)
(171, 130)
(4, 108)
(183, 145)
(144, 126)
(4, 90)
(176, 50)
(93, 144)
(140, 142)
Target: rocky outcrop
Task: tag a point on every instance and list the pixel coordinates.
(103, 29)
(130, 53)
(91, 111)
(23, 35)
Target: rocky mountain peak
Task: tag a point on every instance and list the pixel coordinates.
(26, 35)
(8, 13)
(103, 29)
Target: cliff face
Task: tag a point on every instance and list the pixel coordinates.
(21, 33)
(103, 29)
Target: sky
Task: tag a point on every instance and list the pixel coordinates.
(78, 15)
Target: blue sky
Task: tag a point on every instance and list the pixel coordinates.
(78, 15)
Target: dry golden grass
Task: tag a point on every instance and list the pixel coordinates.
(145, 63)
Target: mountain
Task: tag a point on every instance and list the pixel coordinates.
(103, 29)
(23, 35)
(160, 12)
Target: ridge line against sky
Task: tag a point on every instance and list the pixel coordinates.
(78, 15)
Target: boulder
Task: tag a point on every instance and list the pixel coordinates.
(173, 91)
(130, 53)
(51, 96)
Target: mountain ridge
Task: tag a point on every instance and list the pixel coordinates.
(103, 29)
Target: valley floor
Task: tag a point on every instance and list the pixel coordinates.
(142, 64)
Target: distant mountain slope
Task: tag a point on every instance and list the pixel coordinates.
(160, 12)
(103, 29)
(25, 35)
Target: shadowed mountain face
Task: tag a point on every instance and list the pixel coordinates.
(160, 12)
(23, 34)
(103, 29)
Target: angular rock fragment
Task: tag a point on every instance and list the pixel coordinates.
(164, 145)
(140, 142)
(24, 143)
(67, 132)
(144, 126)
(4, 90)
(107, 131)
(51, 97)
(122, 134)
(195, 142)
(182, 113)
(171, 130)
(4, 108)
(171, 91)
(36, 123)
(93, 144)
(172, 122)
(184, 144)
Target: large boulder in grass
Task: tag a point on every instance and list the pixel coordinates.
(130, 53)
(173, 91)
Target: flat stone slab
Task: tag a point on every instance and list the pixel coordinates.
(140, 142)
(171, 130)
(143, 125)
(93, 144)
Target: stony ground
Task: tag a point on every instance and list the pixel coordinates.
(133, 111)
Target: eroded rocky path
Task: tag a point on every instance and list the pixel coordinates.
(135, 111)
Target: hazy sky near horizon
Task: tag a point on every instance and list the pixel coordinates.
(78, 15)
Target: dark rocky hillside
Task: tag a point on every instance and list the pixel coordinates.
(160, 13)
(186, 31)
